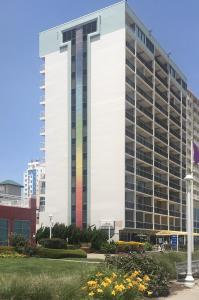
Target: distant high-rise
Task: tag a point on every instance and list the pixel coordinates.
(114, 125)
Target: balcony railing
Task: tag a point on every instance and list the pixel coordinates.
(130, 99)
(144, 190)
(144, 207)
(145, 225)
(129, 133)
(164, 67)
(175, 94)
(175, 106)
(175, 146)
(160, 210)
(162, 123)
(130, 65)
(148, 65)
(161, 137)
(144, 94)
(174, 185)
(130, 82)
(161, 94)
(174, 198)
(173, 158)
(161, 151)
(130, 47)
(159, 179)
(174, 132)
(144, 173)
(142, 140)
(129, 150)
(130, 116)
(130, 168)
(160, 165)
(145, 110)
(174, 171)
(160, 194)
(144, 126)
(129, 185)
(144, 157)
(161, 79)
(13, 200)
(161, 108)
(148, 81)
(175, 120)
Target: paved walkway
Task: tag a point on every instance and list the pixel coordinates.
(184, 294)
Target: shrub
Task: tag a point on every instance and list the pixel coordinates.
(6, 249)
(54, 243)
(42, 233)
(98, 238)
(118, 285)
(108, 248)
(148, 246)
(127, 247)
(17, 241)
(159, 277)
(60, 253)
(59, 231)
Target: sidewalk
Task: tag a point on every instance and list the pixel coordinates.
(185, 293)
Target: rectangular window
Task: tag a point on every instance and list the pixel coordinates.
(3, 232)
(140, 34)
(149, 45)
(22, 228)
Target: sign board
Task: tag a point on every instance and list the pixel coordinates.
(174, 240)
(105, 224)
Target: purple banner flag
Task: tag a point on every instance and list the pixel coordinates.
(196, 153)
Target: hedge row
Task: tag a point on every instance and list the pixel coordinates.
(60, 253)
(7, 249)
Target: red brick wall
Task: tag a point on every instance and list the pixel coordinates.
(12, 213)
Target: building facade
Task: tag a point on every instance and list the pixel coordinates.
(114, 107)
(34, 182)
(193, 136)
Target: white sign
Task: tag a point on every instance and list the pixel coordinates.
(107, 223)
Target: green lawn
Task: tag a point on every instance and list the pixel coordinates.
(40, 279)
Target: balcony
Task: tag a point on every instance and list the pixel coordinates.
(144, 94)
(159, 210)
(129, 133)
(175, 120)
(129, 185)
(130, 116)
(144, 189)
(147, 80)
(161, 137)
(161, 80)
(174, 185)
(161, 108)
(175, 132)
(144, 157)
(42, 84)
(175, 146)
(174, 171)
(159, 179)
(42, 131)
(174, 197)
(144, 207)
(130, 82)
(130, 65)
(130, 168)
(142, 140)
(129, 150)
(42, 100)
(184, 114)
(160, 165)
(174, 159)
(144, 225)
(147, 64)
(42, 115)
(144, 173)
(130, 47)
(145, 110)
(130, 100)
(161, 94)
(13, 201)
(172, 103)
(161, 122)
(174, 213)
(164, 67)
(144, 126)
(160, 194)
(175, 94)
(161, 151)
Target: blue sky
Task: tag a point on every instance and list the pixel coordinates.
(174, 23)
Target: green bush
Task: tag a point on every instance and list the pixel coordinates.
(42, 233)
(98, 238)
(148, 246)
(159, 277)
(60, 253)
(7, 249)
(54, 243)
(108, 248)
(18, 241)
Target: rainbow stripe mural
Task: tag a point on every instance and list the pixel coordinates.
(79, 127)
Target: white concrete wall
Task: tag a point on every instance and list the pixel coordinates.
(56, 139)
(108, 128)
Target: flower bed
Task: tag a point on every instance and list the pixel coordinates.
(116, 285)
(126, 247)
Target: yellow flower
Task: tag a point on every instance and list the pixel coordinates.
(91, 294)
(99, 274)
(91, 283)
(146, 278)
(128, 279)
(113, 293)
(104, 284)
(119, 288)
(107, 280)
(99, 291)
(114, 275)
(134, 282)
(149, 293)
(141, 288)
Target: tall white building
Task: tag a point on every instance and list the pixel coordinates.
(34, 182)
(114, 106)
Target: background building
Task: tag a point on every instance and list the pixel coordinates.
(193, 132)
(17, 215)
(34, 181)
(114, 125)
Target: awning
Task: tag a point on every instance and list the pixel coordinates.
(172, 232)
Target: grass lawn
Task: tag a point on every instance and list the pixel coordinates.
(40, 279)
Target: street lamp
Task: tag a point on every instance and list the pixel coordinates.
(189, 280)
(51, 224)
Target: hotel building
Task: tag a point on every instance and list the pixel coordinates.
(114, 110)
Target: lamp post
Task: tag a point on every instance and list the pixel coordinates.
(51, 223)
(189, 280)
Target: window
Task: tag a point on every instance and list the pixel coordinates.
(172, 72)
(149, 45)
(3, 232)
(22, 228)
(140, 34)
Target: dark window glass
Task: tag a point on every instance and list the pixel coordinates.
(149, 45)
